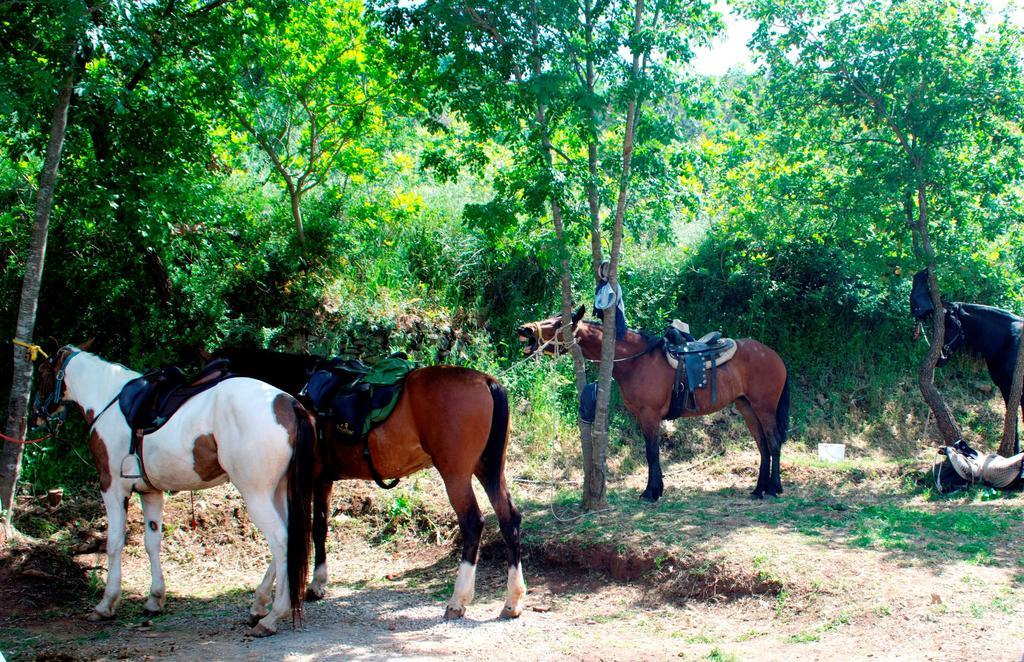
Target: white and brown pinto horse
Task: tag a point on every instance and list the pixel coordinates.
(241, 430)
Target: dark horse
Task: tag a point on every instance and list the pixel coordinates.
(985, 331)
(755, 380)
(456, 419)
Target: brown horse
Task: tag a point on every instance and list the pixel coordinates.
(755, 380)
(456, 419)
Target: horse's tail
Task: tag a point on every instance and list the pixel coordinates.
(782, 413)
(493, 458)
(301, 473)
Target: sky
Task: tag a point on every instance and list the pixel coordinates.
(730, 49)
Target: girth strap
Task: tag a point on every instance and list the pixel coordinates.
(377, 478)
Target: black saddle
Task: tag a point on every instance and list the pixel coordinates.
(329, 378)
(692, 370)
(149, 401)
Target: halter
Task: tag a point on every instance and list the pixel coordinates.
(55, 399)
(557, 345)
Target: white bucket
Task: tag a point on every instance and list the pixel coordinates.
(832, 452)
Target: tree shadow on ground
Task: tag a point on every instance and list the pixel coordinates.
(904, 524)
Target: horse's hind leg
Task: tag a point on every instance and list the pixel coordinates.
(510, 522)
(152, 512)
(754, 425)
(471, 524)
(264, 594)
(321, 503)
(265, 515)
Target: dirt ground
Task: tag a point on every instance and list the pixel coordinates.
(854, 562)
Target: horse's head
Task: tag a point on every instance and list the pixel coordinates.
(544, 334)
(51, 387)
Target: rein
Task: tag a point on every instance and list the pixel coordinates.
(628, 358)
(24, 441)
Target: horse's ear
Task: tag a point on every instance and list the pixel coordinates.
(86, 345)
(578, 315)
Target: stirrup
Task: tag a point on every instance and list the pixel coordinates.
(137, 467)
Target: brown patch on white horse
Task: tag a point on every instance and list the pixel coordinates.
(101, 459)
(284, 414)
(204, 458)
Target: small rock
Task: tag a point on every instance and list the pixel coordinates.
(984, 387)
(936, 600)
(541, 609)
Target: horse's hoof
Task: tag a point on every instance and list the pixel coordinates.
(508, 612)
(649, 497)
(146, 611)
(314, 595)
(451, 613)
(254, 619)
(756, 496)
(261, 630)
(96, 616)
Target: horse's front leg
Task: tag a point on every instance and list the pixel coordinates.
(153, 512)
(651, 427)
(115, 500)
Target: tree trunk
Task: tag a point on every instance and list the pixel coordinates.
(948, 428)
(579, 366)
(295, 194)
(596, 497)
(1009, 442)
(17, 408)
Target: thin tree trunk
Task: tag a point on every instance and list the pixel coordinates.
(1008, 444)
(593, 195)
(295, 195)
(947, 426)
(579, 366)
(596, 498)
(594, 203)
(17, 407)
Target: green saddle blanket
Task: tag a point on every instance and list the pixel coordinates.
(356, 400)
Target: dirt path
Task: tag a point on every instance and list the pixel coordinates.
(855, 565)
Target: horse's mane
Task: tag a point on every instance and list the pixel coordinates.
(652, 340)
(990, 311)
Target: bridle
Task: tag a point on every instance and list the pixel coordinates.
(954, 316)
(41, 406)
(559, 346)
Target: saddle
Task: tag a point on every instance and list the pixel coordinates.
(992, 470)
(355, 397)
(696, 365)
(149, 401)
